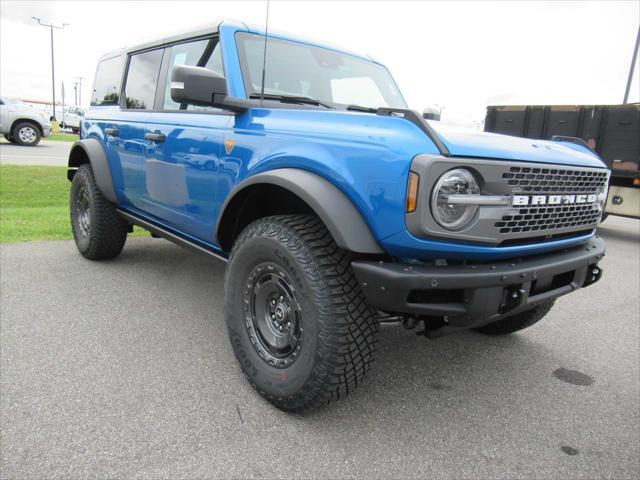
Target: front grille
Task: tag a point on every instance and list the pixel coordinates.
(538, 219)
(552, 180)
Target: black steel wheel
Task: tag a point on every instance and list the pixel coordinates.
(275, 314)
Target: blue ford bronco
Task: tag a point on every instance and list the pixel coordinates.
(334, 205)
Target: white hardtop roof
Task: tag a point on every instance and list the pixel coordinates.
(211, 28)
(208, 28)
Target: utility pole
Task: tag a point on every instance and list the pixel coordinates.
(633, 66)
(53, 74)
(75, 93)
(79, 90)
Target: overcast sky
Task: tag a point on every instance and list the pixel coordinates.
(463, 55)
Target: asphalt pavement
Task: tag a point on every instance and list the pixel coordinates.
(123, 369)
(47, 152)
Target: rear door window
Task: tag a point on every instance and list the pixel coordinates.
(142, 80)
(201, 53)
(106, 87)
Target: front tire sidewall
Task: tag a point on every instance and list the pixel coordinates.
(272, 381)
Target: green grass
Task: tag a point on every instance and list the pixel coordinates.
(62, 137)
(34, 204)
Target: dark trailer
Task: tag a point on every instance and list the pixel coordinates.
(613, 131)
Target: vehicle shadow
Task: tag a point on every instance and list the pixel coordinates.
(411, 374)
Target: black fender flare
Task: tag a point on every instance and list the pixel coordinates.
(92, 149)
(337, 212)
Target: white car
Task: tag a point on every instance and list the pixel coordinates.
(22, 124)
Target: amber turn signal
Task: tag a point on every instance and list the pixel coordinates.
(412, 192)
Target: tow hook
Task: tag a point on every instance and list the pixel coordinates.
(514, 297)
(594, 272)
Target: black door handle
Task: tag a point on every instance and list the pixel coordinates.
(111, 131)
(155, 137)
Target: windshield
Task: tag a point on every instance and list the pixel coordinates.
(297, 69)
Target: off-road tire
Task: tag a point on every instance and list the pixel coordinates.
(519, 321)
(21, 139)
(338, 327)
(107, 230)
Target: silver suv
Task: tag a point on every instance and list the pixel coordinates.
(22, 124)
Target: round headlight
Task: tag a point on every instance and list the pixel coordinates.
(450, 215)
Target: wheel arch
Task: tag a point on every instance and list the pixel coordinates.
(290, 190)
(33, 122)
(91, 151)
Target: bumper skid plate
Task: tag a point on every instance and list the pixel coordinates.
(468, 296)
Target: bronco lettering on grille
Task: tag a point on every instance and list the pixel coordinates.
(520, 200)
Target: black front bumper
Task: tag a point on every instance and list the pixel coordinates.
(474, 295)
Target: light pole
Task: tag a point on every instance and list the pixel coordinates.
(633, 66)
(53, 75)
(79, 90)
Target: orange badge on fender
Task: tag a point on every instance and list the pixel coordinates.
(228, 145)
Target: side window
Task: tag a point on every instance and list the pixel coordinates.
(106, 85)
(202, 53)
(142, 80)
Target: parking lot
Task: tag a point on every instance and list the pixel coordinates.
(123, 368)
(46, 153)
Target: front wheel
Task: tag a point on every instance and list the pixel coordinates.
(297, 320)
(26, 134)
(519, 321)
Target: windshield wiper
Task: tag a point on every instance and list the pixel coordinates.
(360, 108)
(291, 99)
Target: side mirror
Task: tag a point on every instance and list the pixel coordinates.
(196, 85)
(203, 87)
(431, 113)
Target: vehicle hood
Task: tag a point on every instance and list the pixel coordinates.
(463, 142)
(24, 109)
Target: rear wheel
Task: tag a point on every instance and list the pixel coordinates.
(297, 320)
(26, 133)
(519, 321)
(98, 230)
